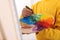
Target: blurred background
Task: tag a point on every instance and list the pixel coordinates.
(8, 23)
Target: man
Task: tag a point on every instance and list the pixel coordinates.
(51, 7)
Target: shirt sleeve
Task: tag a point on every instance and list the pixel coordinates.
(57, 17)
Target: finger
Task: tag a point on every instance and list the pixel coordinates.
(25, 14)
(29, 13)
(26, 9)
(29, 10)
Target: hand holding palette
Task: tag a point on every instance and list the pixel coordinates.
(40, 22)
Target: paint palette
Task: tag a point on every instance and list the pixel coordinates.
(40, 22)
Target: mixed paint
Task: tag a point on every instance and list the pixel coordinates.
(40, 21)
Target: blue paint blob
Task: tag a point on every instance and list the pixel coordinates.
(31, 19)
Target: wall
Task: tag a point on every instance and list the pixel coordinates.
(7, 20)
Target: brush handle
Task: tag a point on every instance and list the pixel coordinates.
(29, 9)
